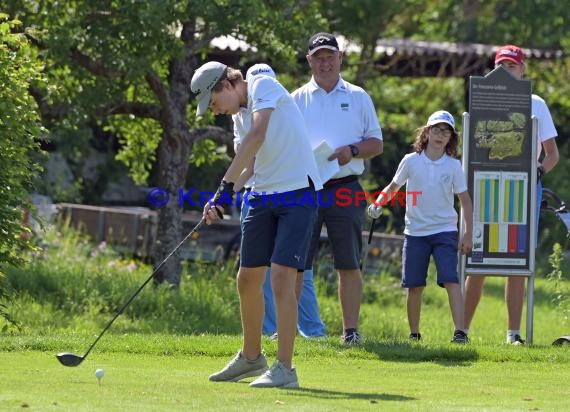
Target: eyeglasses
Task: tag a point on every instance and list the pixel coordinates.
(441, 131)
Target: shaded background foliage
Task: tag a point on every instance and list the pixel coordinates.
(106, 63)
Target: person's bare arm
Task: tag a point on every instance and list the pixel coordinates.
(244, 157)
(244, 177)
(366, 148)
(551, 155)
(466, 242)
(375, 208)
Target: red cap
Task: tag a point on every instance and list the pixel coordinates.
(509, 52)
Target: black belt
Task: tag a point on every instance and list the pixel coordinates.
(341, 180)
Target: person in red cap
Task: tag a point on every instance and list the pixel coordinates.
(512, 59)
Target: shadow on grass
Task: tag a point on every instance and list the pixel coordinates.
(457, 355)
(497, 290)
(371, 397)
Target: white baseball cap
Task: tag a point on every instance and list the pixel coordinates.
(441, 116)
(203, 81)
(259, 68)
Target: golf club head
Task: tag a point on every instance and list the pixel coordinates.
(69, 359)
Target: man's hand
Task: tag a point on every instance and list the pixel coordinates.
(212, 212)
(374, 211)
(214, 208)
(342, 154)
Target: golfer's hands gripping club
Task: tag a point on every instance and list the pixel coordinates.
(214, 208)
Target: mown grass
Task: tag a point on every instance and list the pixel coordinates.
(158, 354)
(169, 373)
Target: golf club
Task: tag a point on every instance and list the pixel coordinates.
(367, 247)
(71, 359)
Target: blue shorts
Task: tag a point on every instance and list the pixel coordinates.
(416, 254)
(277, 232)
(343, 216)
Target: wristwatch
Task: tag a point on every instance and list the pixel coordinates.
(353, 150)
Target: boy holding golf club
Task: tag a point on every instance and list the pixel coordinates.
(273, 234)
(431, 224)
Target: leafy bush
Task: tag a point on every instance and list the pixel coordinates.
(19, 126)
(561, 292)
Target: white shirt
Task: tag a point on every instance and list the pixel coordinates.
(242, 124)
(437, 181)
(344, 116)
(285, 159)
(546, 129)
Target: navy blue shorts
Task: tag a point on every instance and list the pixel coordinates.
(277, 229)
(416, 254)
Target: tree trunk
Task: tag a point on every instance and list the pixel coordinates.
(173, 166)
(471, 16)
(173, 156)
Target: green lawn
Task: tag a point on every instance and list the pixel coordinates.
(158, 354)
(378, 376)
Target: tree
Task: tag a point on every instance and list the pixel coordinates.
(19, 128)
(127, 66)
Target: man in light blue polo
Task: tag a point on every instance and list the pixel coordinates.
(344, 116)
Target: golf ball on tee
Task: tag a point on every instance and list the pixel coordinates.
(99, 373)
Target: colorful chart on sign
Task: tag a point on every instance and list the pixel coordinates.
(500, 213)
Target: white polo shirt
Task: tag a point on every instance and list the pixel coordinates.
(546, 128)
(438, 181)
(285, 159)
(344, 116)
(242, 124)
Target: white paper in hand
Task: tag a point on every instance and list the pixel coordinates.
(327, 168)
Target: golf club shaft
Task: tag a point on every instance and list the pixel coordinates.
(367, 247)
(122, 308)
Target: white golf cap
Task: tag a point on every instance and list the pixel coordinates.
(203, 81)
(441, 116)
(259, 68)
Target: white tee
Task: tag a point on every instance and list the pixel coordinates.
(546, 129)
(435, 183)
(285, 159)
(242, 124)
(241, 120)
(344, 116)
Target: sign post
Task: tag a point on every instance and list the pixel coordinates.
(499, 161)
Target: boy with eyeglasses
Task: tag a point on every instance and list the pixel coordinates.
(431, 223)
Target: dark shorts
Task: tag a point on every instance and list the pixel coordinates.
(277, 232)
(416, 254)
(343, 217)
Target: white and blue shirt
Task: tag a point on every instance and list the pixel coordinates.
(344, 116)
